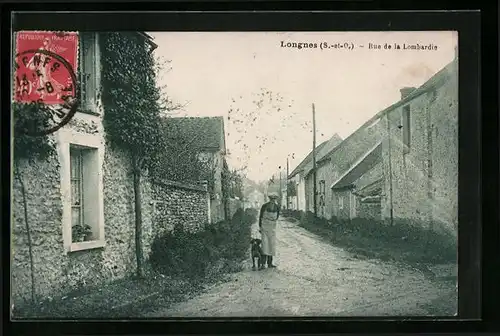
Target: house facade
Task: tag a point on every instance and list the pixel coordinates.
(358, 155)
(85, 182)
(420, 155)
(323, 175)
(79, 203)
(207, 136)
(298, 177)
(401, 165)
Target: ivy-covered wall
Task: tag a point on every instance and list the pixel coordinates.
(56, 271)
(125, 124)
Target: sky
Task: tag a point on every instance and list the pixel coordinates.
(265, 91)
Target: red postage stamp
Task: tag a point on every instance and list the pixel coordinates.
(45, 67)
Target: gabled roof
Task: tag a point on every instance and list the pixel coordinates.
(306, 160)
(432, 83)
(361, 166)
(372, 189)
(330, 145)
(206, 133)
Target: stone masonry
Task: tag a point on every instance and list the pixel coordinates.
(58, 271)
(424, 179)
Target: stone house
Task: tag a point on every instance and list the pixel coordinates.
(321, 191)
(409, 175)
(297, 176)
(207, 136)
(420, 155)
(86, 182)
(356, 192)
(401, 165)
(342, 165)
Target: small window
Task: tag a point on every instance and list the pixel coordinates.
(406, 129)
(341, 202)
(88, 72)
(322, 187)
(76, 188)
(84, 199)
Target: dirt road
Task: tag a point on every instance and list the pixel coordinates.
(314, 278)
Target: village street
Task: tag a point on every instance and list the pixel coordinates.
(314, 278)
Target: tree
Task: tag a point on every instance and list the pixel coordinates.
(249, 120)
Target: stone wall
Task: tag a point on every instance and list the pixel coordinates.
(344, 211)
(56, 270)
(217, 209)
(425, 179)
(177, 203)
(369, 211)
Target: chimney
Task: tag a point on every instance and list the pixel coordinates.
(406, 91)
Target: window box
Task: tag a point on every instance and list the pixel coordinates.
(87, 245)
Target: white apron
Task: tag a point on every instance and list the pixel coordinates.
(269, 233)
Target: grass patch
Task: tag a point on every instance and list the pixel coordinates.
(181, 264)
(404, 241)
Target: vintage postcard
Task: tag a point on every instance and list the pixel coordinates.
(234, 174)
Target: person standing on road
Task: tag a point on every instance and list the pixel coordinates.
(269, 214)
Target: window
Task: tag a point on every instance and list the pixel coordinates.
(322, 187)
(84, 181)
(89, 65)
(81, 157)
(406, 129)
(341, 202)
(76, 189)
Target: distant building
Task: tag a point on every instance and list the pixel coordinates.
(400, 166)
(334, 198)
(207, 135)
(297, 176)
(255, 199)
(321, 193)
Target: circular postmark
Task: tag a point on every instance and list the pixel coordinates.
(47, 83)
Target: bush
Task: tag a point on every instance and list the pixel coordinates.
(182, 253)
(252, 213)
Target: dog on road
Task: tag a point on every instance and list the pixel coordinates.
(257, 254)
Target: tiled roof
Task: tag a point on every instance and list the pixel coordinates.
(331, 144)
(202, 133)
(360, 167)
(434, 82)
(307, 159)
